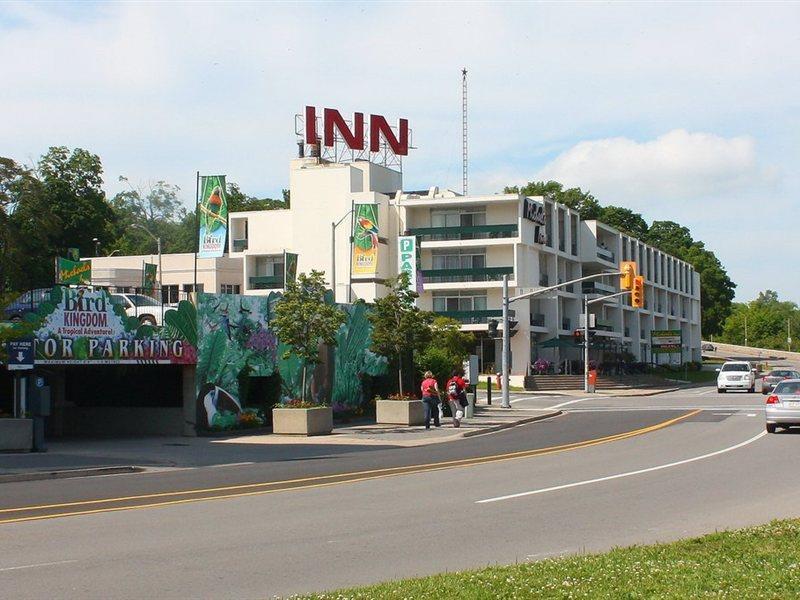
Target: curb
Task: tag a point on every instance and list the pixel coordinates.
(509, 425)
(68, 473)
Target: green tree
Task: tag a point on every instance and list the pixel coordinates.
(304, 321)
(238, 201)
(156, 209)
(625, 220)
(766, 319)
(72, 189)
(446, 350)
(398, 326)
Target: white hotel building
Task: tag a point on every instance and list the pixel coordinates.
(467, 244)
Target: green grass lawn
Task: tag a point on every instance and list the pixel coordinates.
(757, 562)
(495, 390)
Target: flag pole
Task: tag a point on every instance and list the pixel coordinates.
(196, 227)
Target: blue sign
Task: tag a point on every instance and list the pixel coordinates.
(20, 354)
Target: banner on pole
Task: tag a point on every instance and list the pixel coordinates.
(71, 272)
(149, 271)
(289, 268)
(365, 239)
(213, 216)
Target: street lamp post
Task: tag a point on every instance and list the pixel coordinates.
(334, 225)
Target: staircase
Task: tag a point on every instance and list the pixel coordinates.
(550, 383)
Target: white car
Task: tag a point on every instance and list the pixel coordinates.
(148, 310)
(736, 375)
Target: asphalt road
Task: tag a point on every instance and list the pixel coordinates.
(612, 471)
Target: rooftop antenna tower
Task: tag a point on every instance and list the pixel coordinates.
(464, 130)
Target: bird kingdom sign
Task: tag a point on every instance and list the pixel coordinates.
(345, 140)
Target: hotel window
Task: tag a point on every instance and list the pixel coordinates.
(466, 217)
(463, 259)
(269, 266)
(229, 288)
(169, 294)
(459, 301)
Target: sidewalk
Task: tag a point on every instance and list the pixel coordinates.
(87, 457)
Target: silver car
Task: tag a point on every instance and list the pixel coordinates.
(783, 405)
(774, 377)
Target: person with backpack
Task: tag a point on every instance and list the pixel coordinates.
(430, 399)
(457, 396)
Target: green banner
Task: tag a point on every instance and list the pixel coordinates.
(72, 272)
(290, 267)
(213, 216)
(149, 272)
(365, 239)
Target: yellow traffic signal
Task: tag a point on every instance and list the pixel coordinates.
(628, 269)
(637, 292)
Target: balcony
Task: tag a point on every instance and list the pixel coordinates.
(474, 232)
(471, 317)
(266, 282)
(544, 280)
(605, 254)
(466, 275)
(537, 320)
(566, 324)
(626, 332)
(239, 245)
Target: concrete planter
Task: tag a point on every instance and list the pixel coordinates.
(302, 421)
(400, 412)
(16, 435)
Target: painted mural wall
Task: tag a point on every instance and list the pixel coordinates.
(235, 342)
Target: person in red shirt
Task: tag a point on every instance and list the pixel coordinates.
(456, 395)
(430, 399)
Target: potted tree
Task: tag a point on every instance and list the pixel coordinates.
(398, 328)
(304, 321)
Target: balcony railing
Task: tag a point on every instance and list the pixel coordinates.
(239, 245)
(473, 232)
(266, 282)
(605, 254)
(465, 275)
(537, 320)
(604, 325)
(472, 317)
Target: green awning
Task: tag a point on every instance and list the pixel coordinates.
(557, 343)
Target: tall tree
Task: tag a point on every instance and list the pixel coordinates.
(72, 189)
(625, 220)
(304, 321)
(398, 326)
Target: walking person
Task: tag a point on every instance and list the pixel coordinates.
(456, 396)
(430, 399)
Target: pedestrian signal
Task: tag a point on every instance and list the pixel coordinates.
(628, 272)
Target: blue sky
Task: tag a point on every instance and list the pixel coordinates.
(681, 111)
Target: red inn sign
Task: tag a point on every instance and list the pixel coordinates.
(346, 140)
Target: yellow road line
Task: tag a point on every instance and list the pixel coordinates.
(351, 477)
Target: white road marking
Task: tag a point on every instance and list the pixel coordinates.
(706, 392)
(33, 566)
(620, 475)
(569, 402)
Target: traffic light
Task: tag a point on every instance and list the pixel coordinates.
(493, 328)
(628, 272)
(637, 292)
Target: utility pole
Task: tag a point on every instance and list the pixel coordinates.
(586, 343)
(464, 130)
(745, 329)
(789, 333)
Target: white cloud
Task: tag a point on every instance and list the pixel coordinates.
(678, 165)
